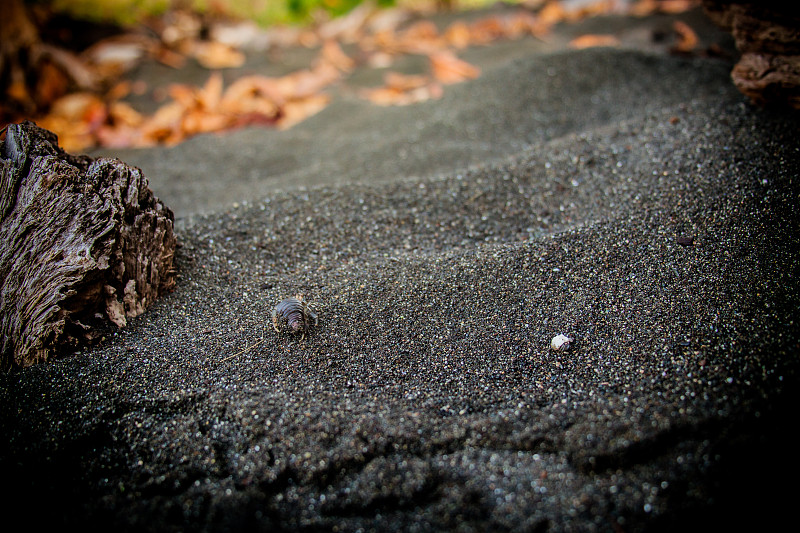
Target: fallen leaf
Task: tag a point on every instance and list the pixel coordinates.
(592, 9)
(119, 90)
(307, 82)
(487, 30)
(524, 23)
(687, 38)
(163, 124)
(387, 96)
(593, 40)
(672, 7)
(74, 118)
(85, 120)
(118, 136)
(52, 84)
(240, 34)
(180, 26)
(333, 54)
(458, 34)
(17, 91)
(447, 68)
(250, 94)
(215, 55)
(210, 95)
(420, 38)
(380, 59)
(203, 121)
(298, 110)
(121, 113)
(387, 19)
(402, 89)
(383, 96)
(552, 13)
(115, 55)
(349, 27)
(183, 94)
(167, 57)
(254, 119)
(84, 108)
(405, 82)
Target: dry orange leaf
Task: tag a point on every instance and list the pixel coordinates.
(593, 40)
(349, 27)
(382, 95)
(387, 96)
(210, 95)
(404, 82)
(74, 118)
(214, 55)
(423, 30)
(83, 107)
(250, 93)
(447, 68)
(678, 6)
(203, 121)
(687, 38)
(523, 23)
(298, 110)
(387, 19)
(647, 7)
(163, 123)
(114, 55)
(304, 83)
(487, 30)
(119, 90)
(420, 38)
(120, 136)
(84, 119)
(458, 34)
(552, 13)
(380, 60)
(384, 41)
(402, 89)
(52, 83)
(167, 57)
(182, 94)
(69, 138)
(121, 113)
(333, 54)
(254, 107)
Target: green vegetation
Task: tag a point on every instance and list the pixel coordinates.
(119, 11)
(264, 12)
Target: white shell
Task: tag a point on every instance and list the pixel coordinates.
(560, 343)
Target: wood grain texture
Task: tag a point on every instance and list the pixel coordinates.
(83, 242)
(767, 34)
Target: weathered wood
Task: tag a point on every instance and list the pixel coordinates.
(82, 242)
(767, 33)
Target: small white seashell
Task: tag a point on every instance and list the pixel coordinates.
(560, 343)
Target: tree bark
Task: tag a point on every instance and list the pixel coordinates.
(83, 242)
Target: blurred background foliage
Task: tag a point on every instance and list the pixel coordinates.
(263, 12)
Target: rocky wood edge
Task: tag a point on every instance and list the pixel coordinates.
(84, 244)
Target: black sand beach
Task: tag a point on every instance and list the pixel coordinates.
(627, 197)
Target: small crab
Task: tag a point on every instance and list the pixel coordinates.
(294, 313)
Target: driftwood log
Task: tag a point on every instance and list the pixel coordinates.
(767, 33)
(83, 243)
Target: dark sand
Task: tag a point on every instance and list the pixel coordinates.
(630, 198)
